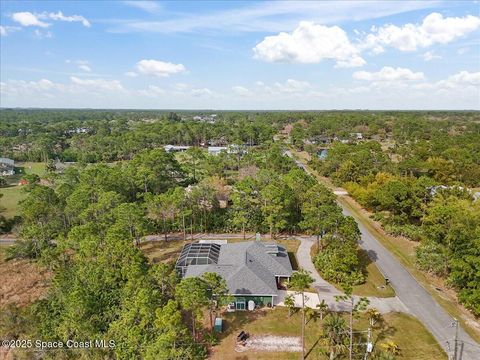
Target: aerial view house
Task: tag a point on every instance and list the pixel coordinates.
(7, 167)
(253, 270)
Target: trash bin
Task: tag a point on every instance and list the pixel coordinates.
(218, 324)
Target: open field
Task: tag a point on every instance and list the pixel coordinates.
(398, 328)
(22, 281)
(10, 199)
(12, 193)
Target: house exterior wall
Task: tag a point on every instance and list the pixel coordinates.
(259, 300)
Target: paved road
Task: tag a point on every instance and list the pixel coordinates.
(327, 291)
(7, 241)
(417, 300)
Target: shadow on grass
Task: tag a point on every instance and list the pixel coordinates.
(385, 332)
(312, 347)
(234, 322)
(365, 258)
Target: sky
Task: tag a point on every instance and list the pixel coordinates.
(234, 55)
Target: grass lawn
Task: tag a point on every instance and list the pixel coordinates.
(162, 251)
(12, 193)
(9, 201)
(374, 284)
(398, 328)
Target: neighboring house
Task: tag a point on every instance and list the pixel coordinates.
(175, 148)
(215, 150)
(476, 196)
(7, 167)
(357, 136)
(322, 154)
(253, 270)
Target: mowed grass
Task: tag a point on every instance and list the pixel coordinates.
(10, 199)
(397, 327)
(12, 193)
(374, 284)
(375, 281)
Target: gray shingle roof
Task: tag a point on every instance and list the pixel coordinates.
(248, 267)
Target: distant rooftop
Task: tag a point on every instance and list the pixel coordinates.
(7, 161)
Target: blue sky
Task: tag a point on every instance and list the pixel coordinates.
(240, 55)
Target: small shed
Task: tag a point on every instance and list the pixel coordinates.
(218, 324)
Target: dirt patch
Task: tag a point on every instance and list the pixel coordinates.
(22, 282)
(272, 343)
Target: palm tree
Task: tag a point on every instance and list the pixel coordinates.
(310, 314)
(289, 302)
(323, 309)
(335, 328)
(374, 316)
(300, 281)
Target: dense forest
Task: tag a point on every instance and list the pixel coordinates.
(418, 173)
(84, 224)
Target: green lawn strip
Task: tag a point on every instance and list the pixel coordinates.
(407, 260)
(374, 284)
(9, 202)
(398, 328)
(12, 193)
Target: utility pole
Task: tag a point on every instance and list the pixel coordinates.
(455, 324)
(351, 329)
(369, 345)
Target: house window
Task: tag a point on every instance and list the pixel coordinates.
(240, 304)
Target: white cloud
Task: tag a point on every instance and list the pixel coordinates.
(201, 92)
(131, 74)
(42, 34)
(460, 80)
(429, 56)
(241, 91)
(101, 84)
(152, 91)
(21, 87)
(60, 17)
(5, 30)
(271, 16)
(181, 86)
(28, 19)
(292, 86)
(159, 68)
(435, 29)
(85, 68)
(388, 73)
(309, 43)
(148, 6)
